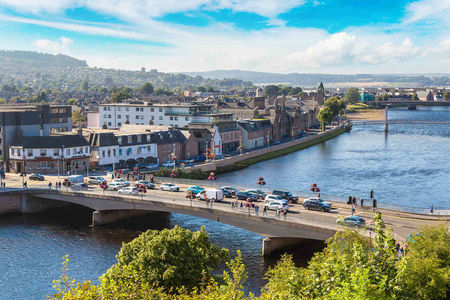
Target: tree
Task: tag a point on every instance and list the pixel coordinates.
(170, 259)
(72, 101)
(201, 89)
(78, 117)
(445, 96)
(415, 97)
(210, 89)
(351, 96)
(378, 98)
(2, 101)
(119, 96)
(385, 97)
(271, 90)
(296, 91)
(325, 116)
(336, 105)
(147, 88)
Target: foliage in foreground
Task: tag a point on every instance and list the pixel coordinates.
(351, 266)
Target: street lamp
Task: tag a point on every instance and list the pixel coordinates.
(63, 162)
(23, 170)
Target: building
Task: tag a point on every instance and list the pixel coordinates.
(49, 154)
(40, 120)
(321, 94)
(367, 97)
(116, 115)
(255, 133)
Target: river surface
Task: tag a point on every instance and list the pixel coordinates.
(407, 167)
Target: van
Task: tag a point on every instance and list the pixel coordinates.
(210, 194)
(72, 179)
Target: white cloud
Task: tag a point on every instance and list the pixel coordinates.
(60, 46)
(428, 9)
(390, 51)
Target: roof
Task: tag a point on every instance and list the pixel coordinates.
(41, 142)
(255, 125)
(167, 137)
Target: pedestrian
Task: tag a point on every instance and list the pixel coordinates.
(242, 206)
(60, 185)
(431, 210)
(212, 202)
(232, 205)
(397, 247)
(374, 204)
(353, 210)
(285, 214)
(277, 213)
(401, 251)
(265, 211)
(354, 200)
(50, 185)
(257, 210)
(362, 202)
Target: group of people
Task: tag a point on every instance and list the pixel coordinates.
(354, 203)
(134, 175)
(58, 185)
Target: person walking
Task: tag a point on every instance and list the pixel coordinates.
(277, 214)
(362, 202)
(257, 210)
(265, 211)
(285, 214)
(50, 185)
(431, 209)
(374, 204)
(353, 210)
(242, 206)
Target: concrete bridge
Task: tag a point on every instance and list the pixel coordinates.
(409, 104)
(110, 207)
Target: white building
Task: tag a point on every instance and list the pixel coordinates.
(116, 115)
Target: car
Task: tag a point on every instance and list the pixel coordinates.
(168, 164)
(245, 196)
(315, 204)
(227, 193)
(153, 166)
(232, 189)
(195, 189)
(130, 191)
(115, 186)
(121, 181)
(38, 177)
(274, 198)
(95, 180)
(286, 195)
(326, 203)
(79, 187)
(260, 194)
(169, 187)
(274, 205)
(147, 184)
(352, 221)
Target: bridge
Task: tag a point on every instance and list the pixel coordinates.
(374, 122)
(299, 224)
(409, 104)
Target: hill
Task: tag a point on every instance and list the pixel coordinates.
(331, 80)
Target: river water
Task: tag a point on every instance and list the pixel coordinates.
(406, 167)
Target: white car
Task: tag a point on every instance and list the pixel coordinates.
(168, 164)
(274, 198)
(274, 205)
(130, 191)
(325, 203)
(115, 186)
(121, 181)
(169, 187)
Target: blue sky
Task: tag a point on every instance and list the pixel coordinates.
(326, 36)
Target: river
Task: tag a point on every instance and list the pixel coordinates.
(406, 167)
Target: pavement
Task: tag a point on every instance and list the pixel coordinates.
(402, 223)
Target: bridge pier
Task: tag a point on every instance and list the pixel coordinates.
(272, 245)
(101, 217)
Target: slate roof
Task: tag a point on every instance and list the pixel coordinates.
(168, 137)
(254, 125)
(42, 142)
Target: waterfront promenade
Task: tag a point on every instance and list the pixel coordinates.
(280, 232)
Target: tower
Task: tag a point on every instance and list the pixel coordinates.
(321, 94)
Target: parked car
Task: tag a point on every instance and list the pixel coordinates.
(274, 198)
(315, 204)
(168, 164)
(245, 196)
(227, 193)
(79, 187)
(195, 189)
(286, 195)
(115, 186)
(95, 180)
(232, 189)
(121, 181)
(352, 221)
(326, 203)
(38, 177)
(260, 194)
(147, 184)
(276, 204)
(210, 194)
(130, 191)
(169, 187)
(152, 166)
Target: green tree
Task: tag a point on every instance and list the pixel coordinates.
(296, 91)
(210, 89)
(168, 258)
(147, 88)
(286, 90)
(2, 101)
(415, 97)
(351, 96)
(336, 105)
(72, 101)
(78, 117)
(385, 97)
(325, 116)
(201, 89)
(119, 96)
(271, 90)
(445, 96)
(378, 98)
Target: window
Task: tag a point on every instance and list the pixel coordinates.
(138, 150)
(142, 118)
(160, 110)
(142, 109)
(119, 116)
(160, 118)
(127, 117)
(186, 118)
(109, 108)
(152, 109)
(86, 149)
(105, 116)
(67, 151)
(119, 140)
(137, 117)
(149, 137)
(137, 108)
(109, 116)
(109, 153)
(43, 152)
(30, 152)
(149, 148)
(139, 139)
(80, 150)
(120, 151)
(153, 117)
(176, 118)
(103, 153)
(171, 118)
(105, 108)
(130, 139)
(55, 152)
(114, 152)
(109, 123)
(119, 124)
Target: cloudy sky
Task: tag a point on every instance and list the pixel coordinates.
(317, 36)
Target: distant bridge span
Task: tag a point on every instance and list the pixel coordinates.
(401, 122)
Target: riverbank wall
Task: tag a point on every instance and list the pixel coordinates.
(249, 158)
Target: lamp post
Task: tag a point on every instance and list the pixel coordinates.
(63, 162)
(114, 160)
(23, 169)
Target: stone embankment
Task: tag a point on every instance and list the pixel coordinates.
(249, 158)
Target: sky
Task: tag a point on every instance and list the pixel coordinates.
(283, 36)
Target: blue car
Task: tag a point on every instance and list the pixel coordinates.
(195, 189)
(352, 221)
(245, 196)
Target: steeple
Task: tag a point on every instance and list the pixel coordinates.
(321, 94)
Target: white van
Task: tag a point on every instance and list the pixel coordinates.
(72, 179)
(210, 194)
